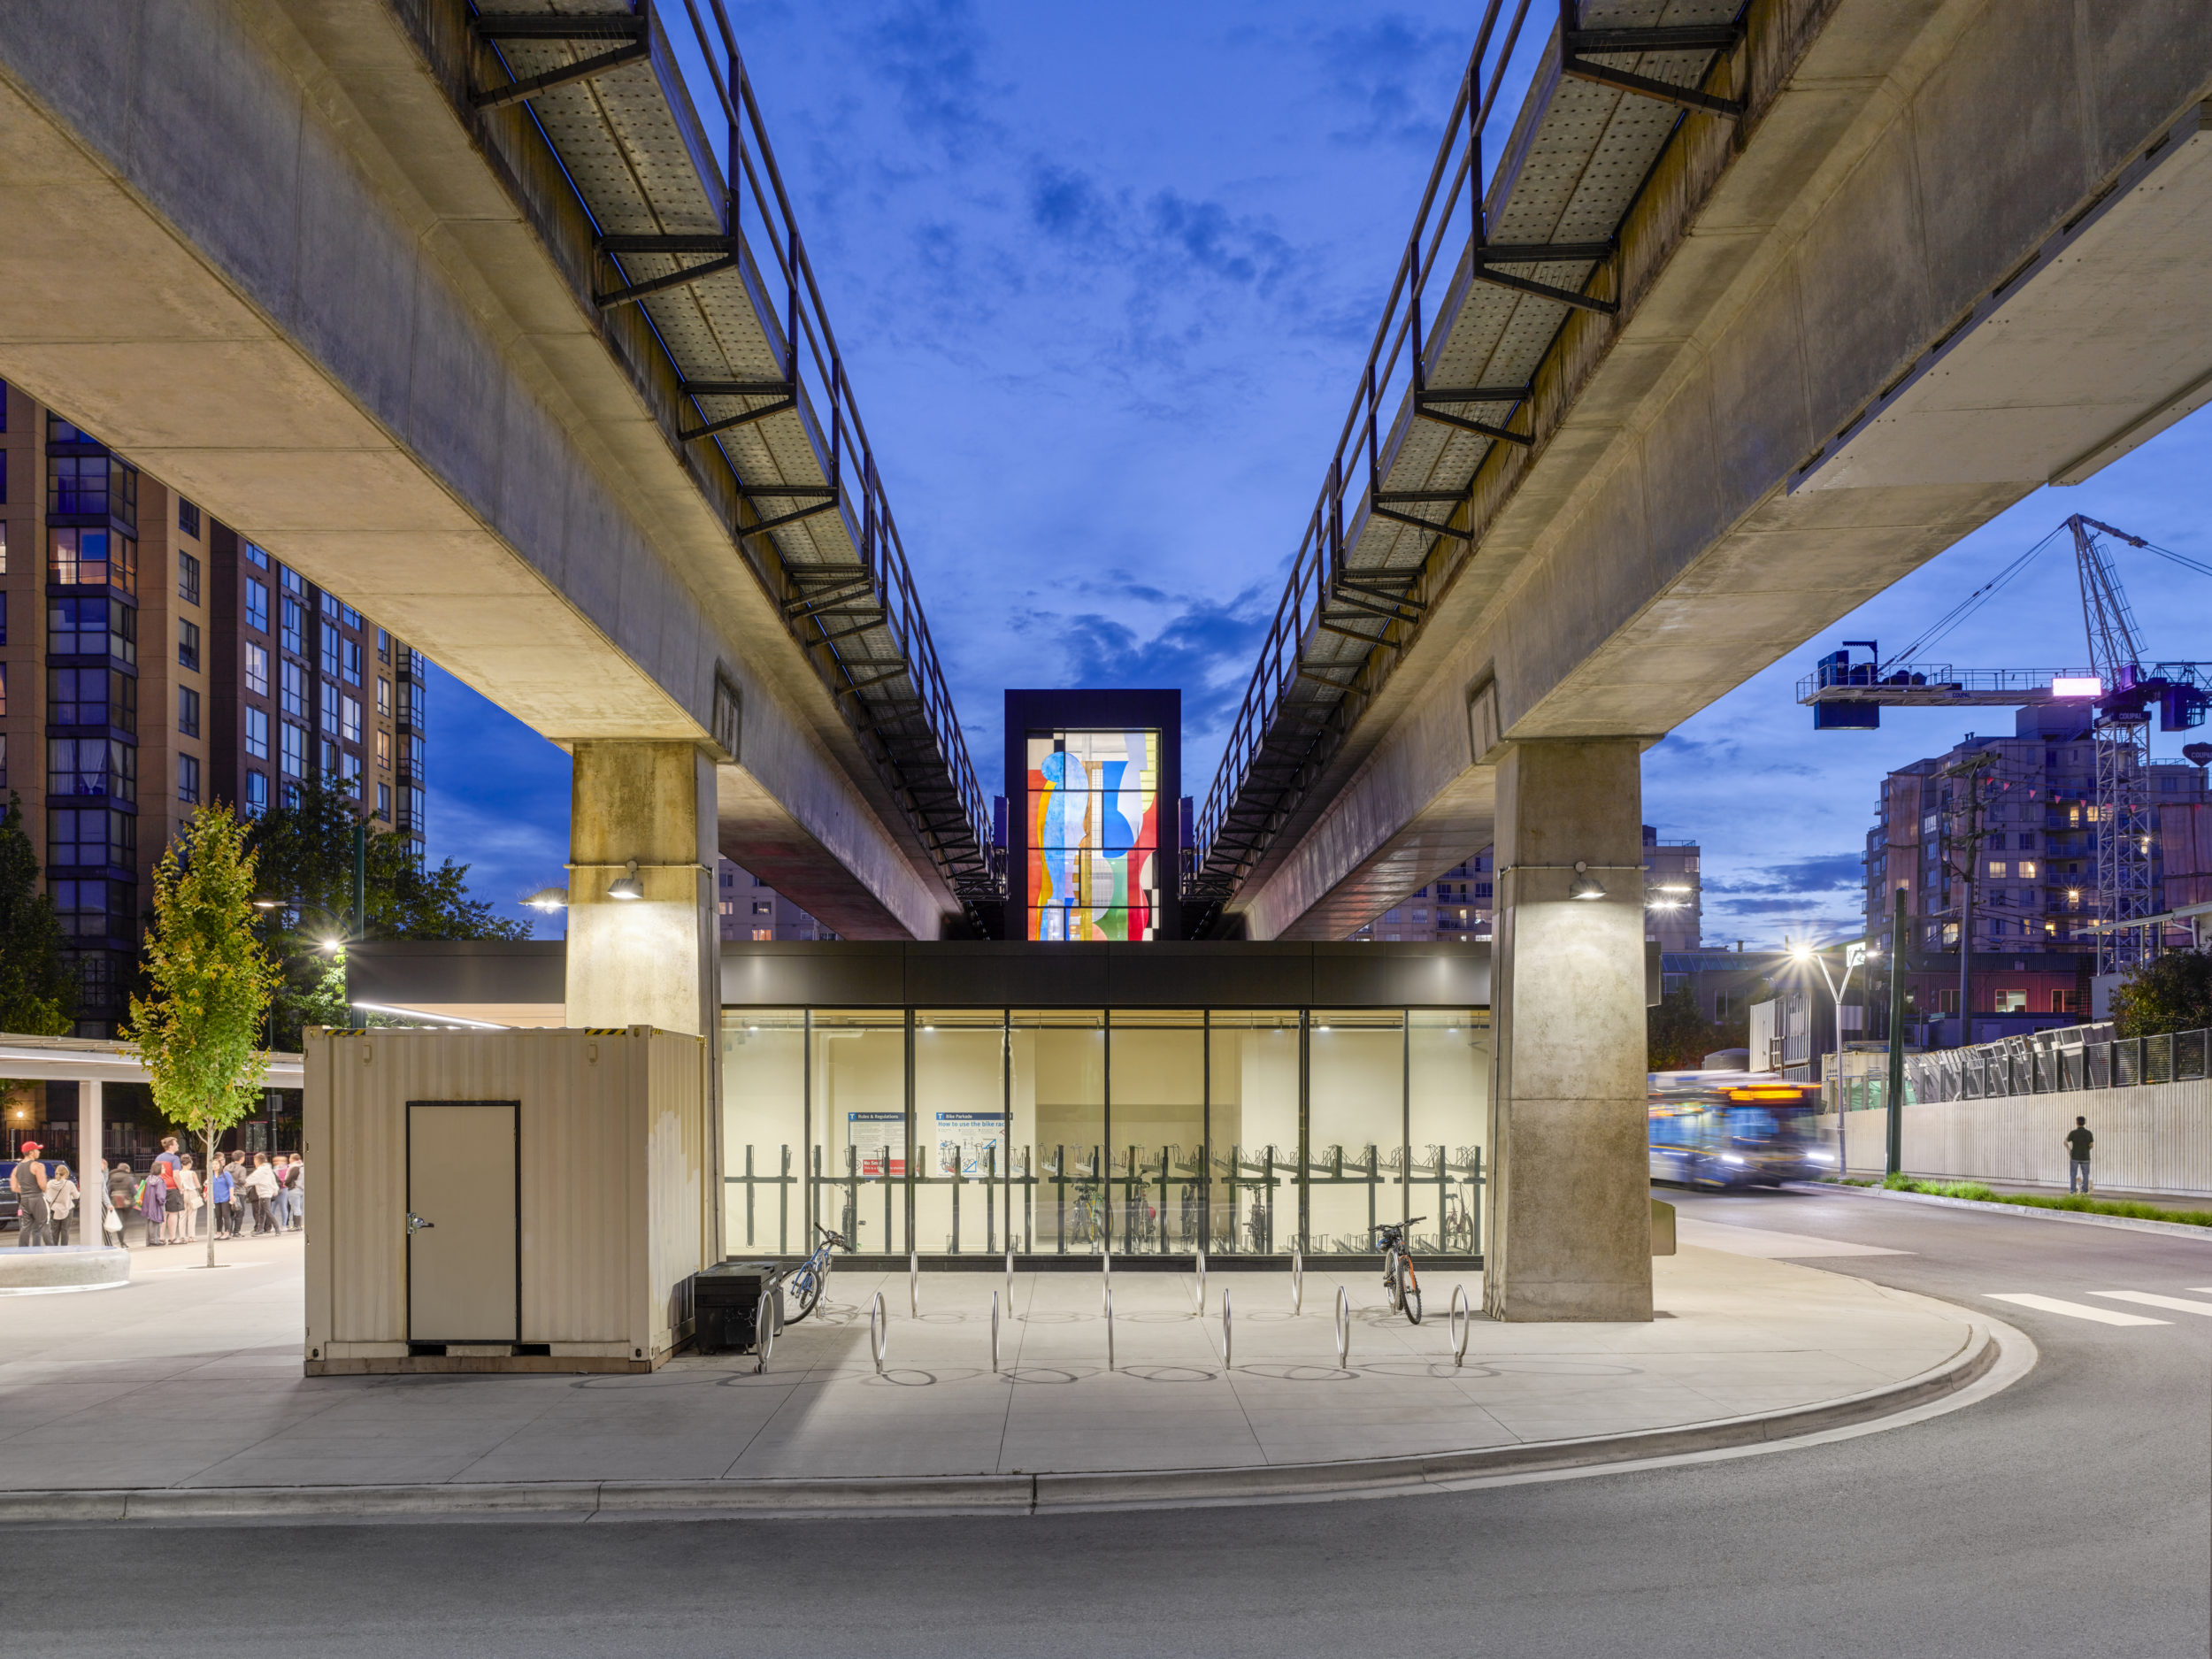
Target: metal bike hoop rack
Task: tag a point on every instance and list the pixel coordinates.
(1228, 1350)
(1198, 1287)
(1297, 1281)
(1109, 1328)
(764, 1326)
(1343, 1330)
(1462, 1323)
(914, 1283)
(878, 1331)
(995, 1334)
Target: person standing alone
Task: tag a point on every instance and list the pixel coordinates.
(29, 1180)
(2079, 1140)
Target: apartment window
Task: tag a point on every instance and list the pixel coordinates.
(258, 669)
(4, 760)
(293, 796)
(760, 933)
(294, 626)
(384, 750)
(257, 782)
(92, 696)
(257, 605)
(330, 709)
(384, 802)
(3, 690)
(1996, 866)
(187, 579)
(2027, 841)
(331, 639)
(350, 651)
(3, 619)
(350, 769)
(92, 628)
(729, 907)
(187, 518)
(383, 646)
(2027, 868)
(329, 757)
(293, 761)
(349, 726)
(414, 755)
(88, 908)
(2059, 1000)
(86, 839)
(292, 581)
(295, 697)
(2012, 1001)
(3, 523)
(92, 559)
(256, 557)
(763, 907)
(188, 778)
(77, 484)
(187, 644)
(188, 711)
(352, 617)
(257, 733)
(91, 766)
(383, 696)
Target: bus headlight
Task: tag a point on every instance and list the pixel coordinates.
(1730, 1157)
(1820, 1158)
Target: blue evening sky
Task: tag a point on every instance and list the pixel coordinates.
(1103, 278)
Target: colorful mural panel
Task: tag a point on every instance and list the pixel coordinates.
(1093, 831)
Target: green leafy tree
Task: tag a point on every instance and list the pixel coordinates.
(305, 854)
(2168, 993)
(1677, 1036)
(209, 980)
(36, 989)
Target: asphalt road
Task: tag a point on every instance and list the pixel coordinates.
(2066, 1515)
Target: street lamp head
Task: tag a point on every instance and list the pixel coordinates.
(1802, 951)
(330, 946)
(549, 899)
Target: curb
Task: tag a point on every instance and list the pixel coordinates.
(860, 1497)
(2172, 1229)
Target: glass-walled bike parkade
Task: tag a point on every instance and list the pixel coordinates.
(1071, 1131)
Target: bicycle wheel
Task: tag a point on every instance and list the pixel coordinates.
(1409, 1295)
(1393, 1282)
(802, 1292)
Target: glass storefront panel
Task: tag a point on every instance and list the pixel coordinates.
(1252, 1131)
(960, 1094)
(1447, 1108)
(1157, 1110)
(858, 1115)
(1356, 1165)
(1057, 1059)
(763, 1131)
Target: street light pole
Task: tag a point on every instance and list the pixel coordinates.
(1853, 955)
(1894, 1159)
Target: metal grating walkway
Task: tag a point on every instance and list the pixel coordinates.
(1611, 86)
(716, 264)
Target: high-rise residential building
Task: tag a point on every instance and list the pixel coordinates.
(2018, 817)
(1461, 903)
(151, 659)
(750, 908)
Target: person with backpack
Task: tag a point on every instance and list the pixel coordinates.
(28, 1182)
(122, 1189)
(61, 1202)
(153, 1203)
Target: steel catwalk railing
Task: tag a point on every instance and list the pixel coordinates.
(1388, 373)
(1392, 379)
(821, 392)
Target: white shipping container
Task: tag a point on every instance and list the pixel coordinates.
(504, 1200)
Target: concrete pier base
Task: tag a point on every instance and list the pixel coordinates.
(1569, 1217)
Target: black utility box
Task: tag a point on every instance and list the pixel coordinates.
(725, 1300)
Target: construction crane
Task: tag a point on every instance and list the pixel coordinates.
(2118, 688)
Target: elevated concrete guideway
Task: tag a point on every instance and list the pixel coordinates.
(318, 265)
(1949, 252)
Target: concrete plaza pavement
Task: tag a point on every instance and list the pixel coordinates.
(186, 1389)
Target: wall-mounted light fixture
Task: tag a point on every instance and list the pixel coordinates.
(1585, 885)
(549, 899)
(627, 886)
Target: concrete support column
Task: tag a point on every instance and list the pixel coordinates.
(1569, 1215)
(92, 1174)
(653, 960)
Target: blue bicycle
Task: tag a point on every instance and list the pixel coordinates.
(804, 1284)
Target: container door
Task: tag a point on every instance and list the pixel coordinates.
(463, 1242)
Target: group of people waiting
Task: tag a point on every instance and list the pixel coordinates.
(177, 1202)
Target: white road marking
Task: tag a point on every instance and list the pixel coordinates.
(2072, 1310)
(2150, 1298)
(1764, 1241)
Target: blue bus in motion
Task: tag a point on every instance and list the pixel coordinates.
(1727, 1129)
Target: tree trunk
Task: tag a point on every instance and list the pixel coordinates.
(207, 1184)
